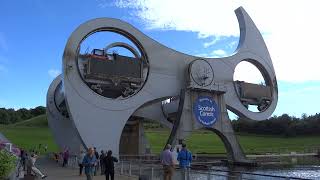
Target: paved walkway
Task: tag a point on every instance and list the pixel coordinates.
(56, 172)
(3, 138)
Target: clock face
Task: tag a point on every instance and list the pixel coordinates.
(201, 72)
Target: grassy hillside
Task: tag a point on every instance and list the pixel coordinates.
(208, 142)
(38, 121)
(30, 133)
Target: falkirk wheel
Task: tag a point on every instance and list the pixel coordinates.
(101, 98)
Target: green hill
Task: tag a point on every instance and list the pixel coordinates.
(38, 121)
(30, 133)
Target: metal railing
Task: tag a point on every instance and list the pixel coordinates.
(149, 171)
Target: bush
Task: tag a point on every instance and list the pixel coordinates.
(7, 164)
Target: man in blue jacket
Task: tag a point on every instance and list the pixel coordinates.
(185, 159)
(89, 162)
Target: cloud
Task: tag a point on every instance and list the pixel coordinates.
(241, 73)
(290, 28)
(219, 53)
(214, 54)
(210, 43)
(54, 73)
(232, 44)
(104, 3)
(3, 43)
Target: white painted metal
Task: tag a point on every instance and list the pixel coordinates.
(100, 120)
(62, 128)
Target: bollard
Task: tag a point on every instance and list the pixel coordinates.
(139, 167)
(130, 169)
(121, 170)
(152, 173)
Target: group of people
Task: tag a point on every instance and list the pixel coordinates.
(28, 161)
(167, 158)
(91, 161)
(63, 157)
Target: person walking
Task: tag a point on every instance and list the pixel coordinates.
(32, 167)
(109, 161)
(89, 162)
(102, 156)
(185, 159)
(167, 163)
(80, 160)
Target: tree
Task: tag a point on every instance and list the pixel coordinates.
(24, 113)
(7, 165)
(4, 116)
(10, 116)
(38, 111)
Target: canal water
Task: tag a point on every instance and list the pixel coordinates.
(290, 167)
(296, 167)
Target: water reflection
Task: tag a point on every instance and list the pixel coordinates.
(283, 168)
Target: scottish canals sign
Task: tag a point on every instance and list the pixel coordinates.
(205, 110)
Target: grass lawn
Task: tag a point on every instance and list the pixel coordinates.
(38, 121)
(207, 142)
(29, 137)
(29, 134)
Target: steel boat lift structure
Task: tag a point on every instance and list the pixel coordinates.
(101, 94)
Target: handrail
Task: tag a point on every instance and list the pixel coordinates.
(157, 167)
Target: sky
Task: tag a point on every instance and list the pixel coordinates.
(33, 34)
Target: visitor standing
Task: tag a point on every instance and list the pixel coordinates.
(89, 162)
(80, 160)
(102, 156)
(167, 163)
(66, 155)
(96, 167)
(56, 157)
(109, 161)
(23, 158)
(185, 159)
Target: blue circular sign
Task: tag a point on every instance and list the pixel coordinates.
(206, 110)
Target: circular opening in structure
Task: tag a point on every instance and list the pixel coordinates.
(112, 64)
(170, 108)
(59, 100)
(251, 86)
(248, 72)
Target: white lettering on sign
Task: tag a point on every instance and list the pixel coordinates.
(206, 110)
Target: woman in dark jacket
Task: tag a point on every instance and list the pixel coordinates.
(109, 161)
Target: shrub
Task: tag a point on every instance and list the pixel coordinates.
(7, 163)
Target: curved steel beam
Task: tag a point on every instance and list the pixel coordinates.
(62, 128)
(96, 116)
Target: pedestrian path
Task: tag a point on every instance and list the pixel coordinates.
(54, 171)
